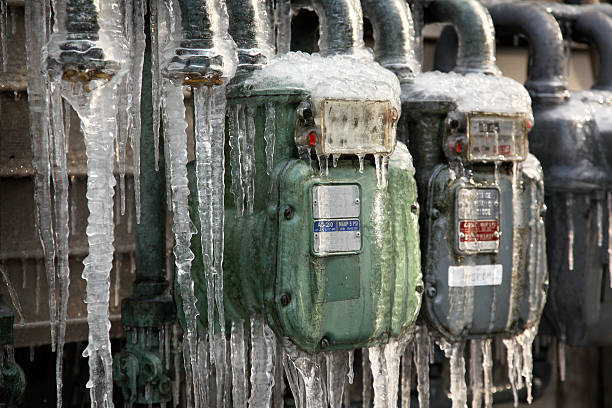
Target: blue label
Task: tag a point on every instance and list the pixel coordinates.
(325, 226)
(336, 225)
(348, 225)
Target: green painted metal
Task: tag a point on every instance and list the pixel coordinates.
(138, 369)
(319, 302)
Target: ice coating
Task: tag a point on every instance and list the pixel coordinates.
(472, 92)
(333, 77)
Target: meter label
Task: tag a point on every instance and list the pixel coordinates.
(475, 275)
(477, 211)
(343, 235)
(335, 213)
(496, 138)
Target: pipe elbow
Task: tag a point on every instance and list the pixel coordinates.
(340, 26)
(393, 35)
(546, 76)
(596, 28)
(476, 52)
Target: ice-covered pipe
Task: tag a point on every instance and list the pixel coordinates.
(393, 35)
(546, 76)
(203, 51)
(340, 27)
(251, 29)
(76, 49)
(476, 51)
(596, 28)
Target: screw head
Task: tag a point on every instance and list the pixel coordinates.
(454, 123)
(431, 291)
(435, 213)
(324, 343)
(414, 208)
(285, 299)
(288, 213)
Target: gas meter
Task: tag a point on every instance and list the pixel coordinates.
(327, 250)
(481, 191)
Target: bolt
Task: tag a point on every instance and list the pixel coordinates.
(454, 123)
(324, 343)
(414, 208)
(288, 213)
(285, 299)
(419, 289)
(356, 201)
(358, 234)
(545, 287)
(435, 213)
(431, 291)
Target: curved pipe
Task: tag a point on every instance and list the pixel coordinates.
(393, 35)
(546, 76)
(203, 52)
(251, 30)
(475, 31)
(341, 26)
(596, 28)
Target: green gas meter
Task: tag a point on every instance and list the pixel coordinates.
(326, 250)
(482, 192)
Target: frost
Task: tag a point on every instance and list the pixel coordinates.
(520, 362)
(263, 352)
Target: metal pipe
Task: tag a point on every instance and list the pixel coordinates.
(546, 77)
(251, 29)
(203, 52)
(476, 35)
(596, 28)
(340, 27)
(394, 36)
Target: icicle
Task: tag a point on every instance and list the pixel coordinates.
(406, 382)
(24, 274)
(270, 136)
(4, 33)
(336, 363)
(263, 351)
(570, 231)
(204, 370)
(392, 353)
(458, 389)
(335, 159)
(476, 372)
(73, 206)
(37, 290)
(366, 389)
(176, 137)
(117, 282)
(599, 216)
(155, 76)
(382, 165)
(351, 361)
(361, 158)
(421, 361)
(135, 92)
(236, 136)
(379, 376)
(62, 225)
(514, 364)
(283, 26)
(293, 379)
(487, 368)
(32, 353)
(176, 382)
(323, 164)
(278, 396)
(609, 199)
(248, 159)
(561, 360)
(525, 341)
(13, 294)
(36, 38)
(308, 369)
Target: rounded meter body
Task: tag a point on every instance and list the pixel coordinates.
(321, 213)
(483, 240)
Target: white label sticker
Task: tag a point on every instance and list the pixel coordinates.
(474, 275)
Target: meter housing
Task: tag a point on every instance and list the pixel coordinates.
(331, 261)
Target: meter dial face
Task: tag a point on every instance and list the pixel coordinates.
(478, 214)
(496, 138)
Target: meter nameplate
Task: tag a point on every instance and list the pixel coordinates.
(343, 235)
(357, 127)
(496, 137)
(335, 211)
(477, 211)
(474, 275)
(335, 201)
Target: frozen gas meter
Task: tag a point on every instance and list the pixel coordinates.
(482, 197)
(327, 252)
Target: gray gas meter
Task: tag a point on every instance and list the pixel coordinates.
(482, 196)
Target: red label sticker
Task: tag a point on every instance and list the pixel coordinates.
(503, 150)
(472, 231)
